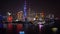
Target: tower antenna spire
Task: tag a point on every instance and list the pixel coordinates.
(25, 9)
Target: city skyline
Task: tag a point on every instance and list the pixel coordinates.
(48, 6)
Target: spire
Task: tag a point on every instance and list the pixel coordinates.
(25, 9)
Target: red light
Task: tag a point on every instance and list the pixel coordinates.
(10, 19)
(19, 27)
(10, 26)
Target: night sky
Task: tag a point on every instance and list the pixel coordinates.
(48, 6)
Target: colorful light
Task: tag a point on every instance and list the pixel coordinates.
(54, 29)
(21, 32)
(9, 18)
(19, 27)
(20, 15)
(25, 13)
(40, 27)
(10, 26)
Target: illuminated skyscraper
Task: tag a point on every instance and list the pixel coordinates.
(25, 9)
(20, 16)
(10, 19)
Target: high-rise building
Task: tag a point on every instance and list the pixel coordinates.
(25, 9)
(10, 18)
(20, 15)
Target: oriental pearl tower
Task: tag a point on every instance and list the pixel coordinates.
(25, 17)
(25, 9)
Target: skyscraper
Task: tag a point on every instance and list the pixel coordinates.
(25, 9)
(20, 15)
